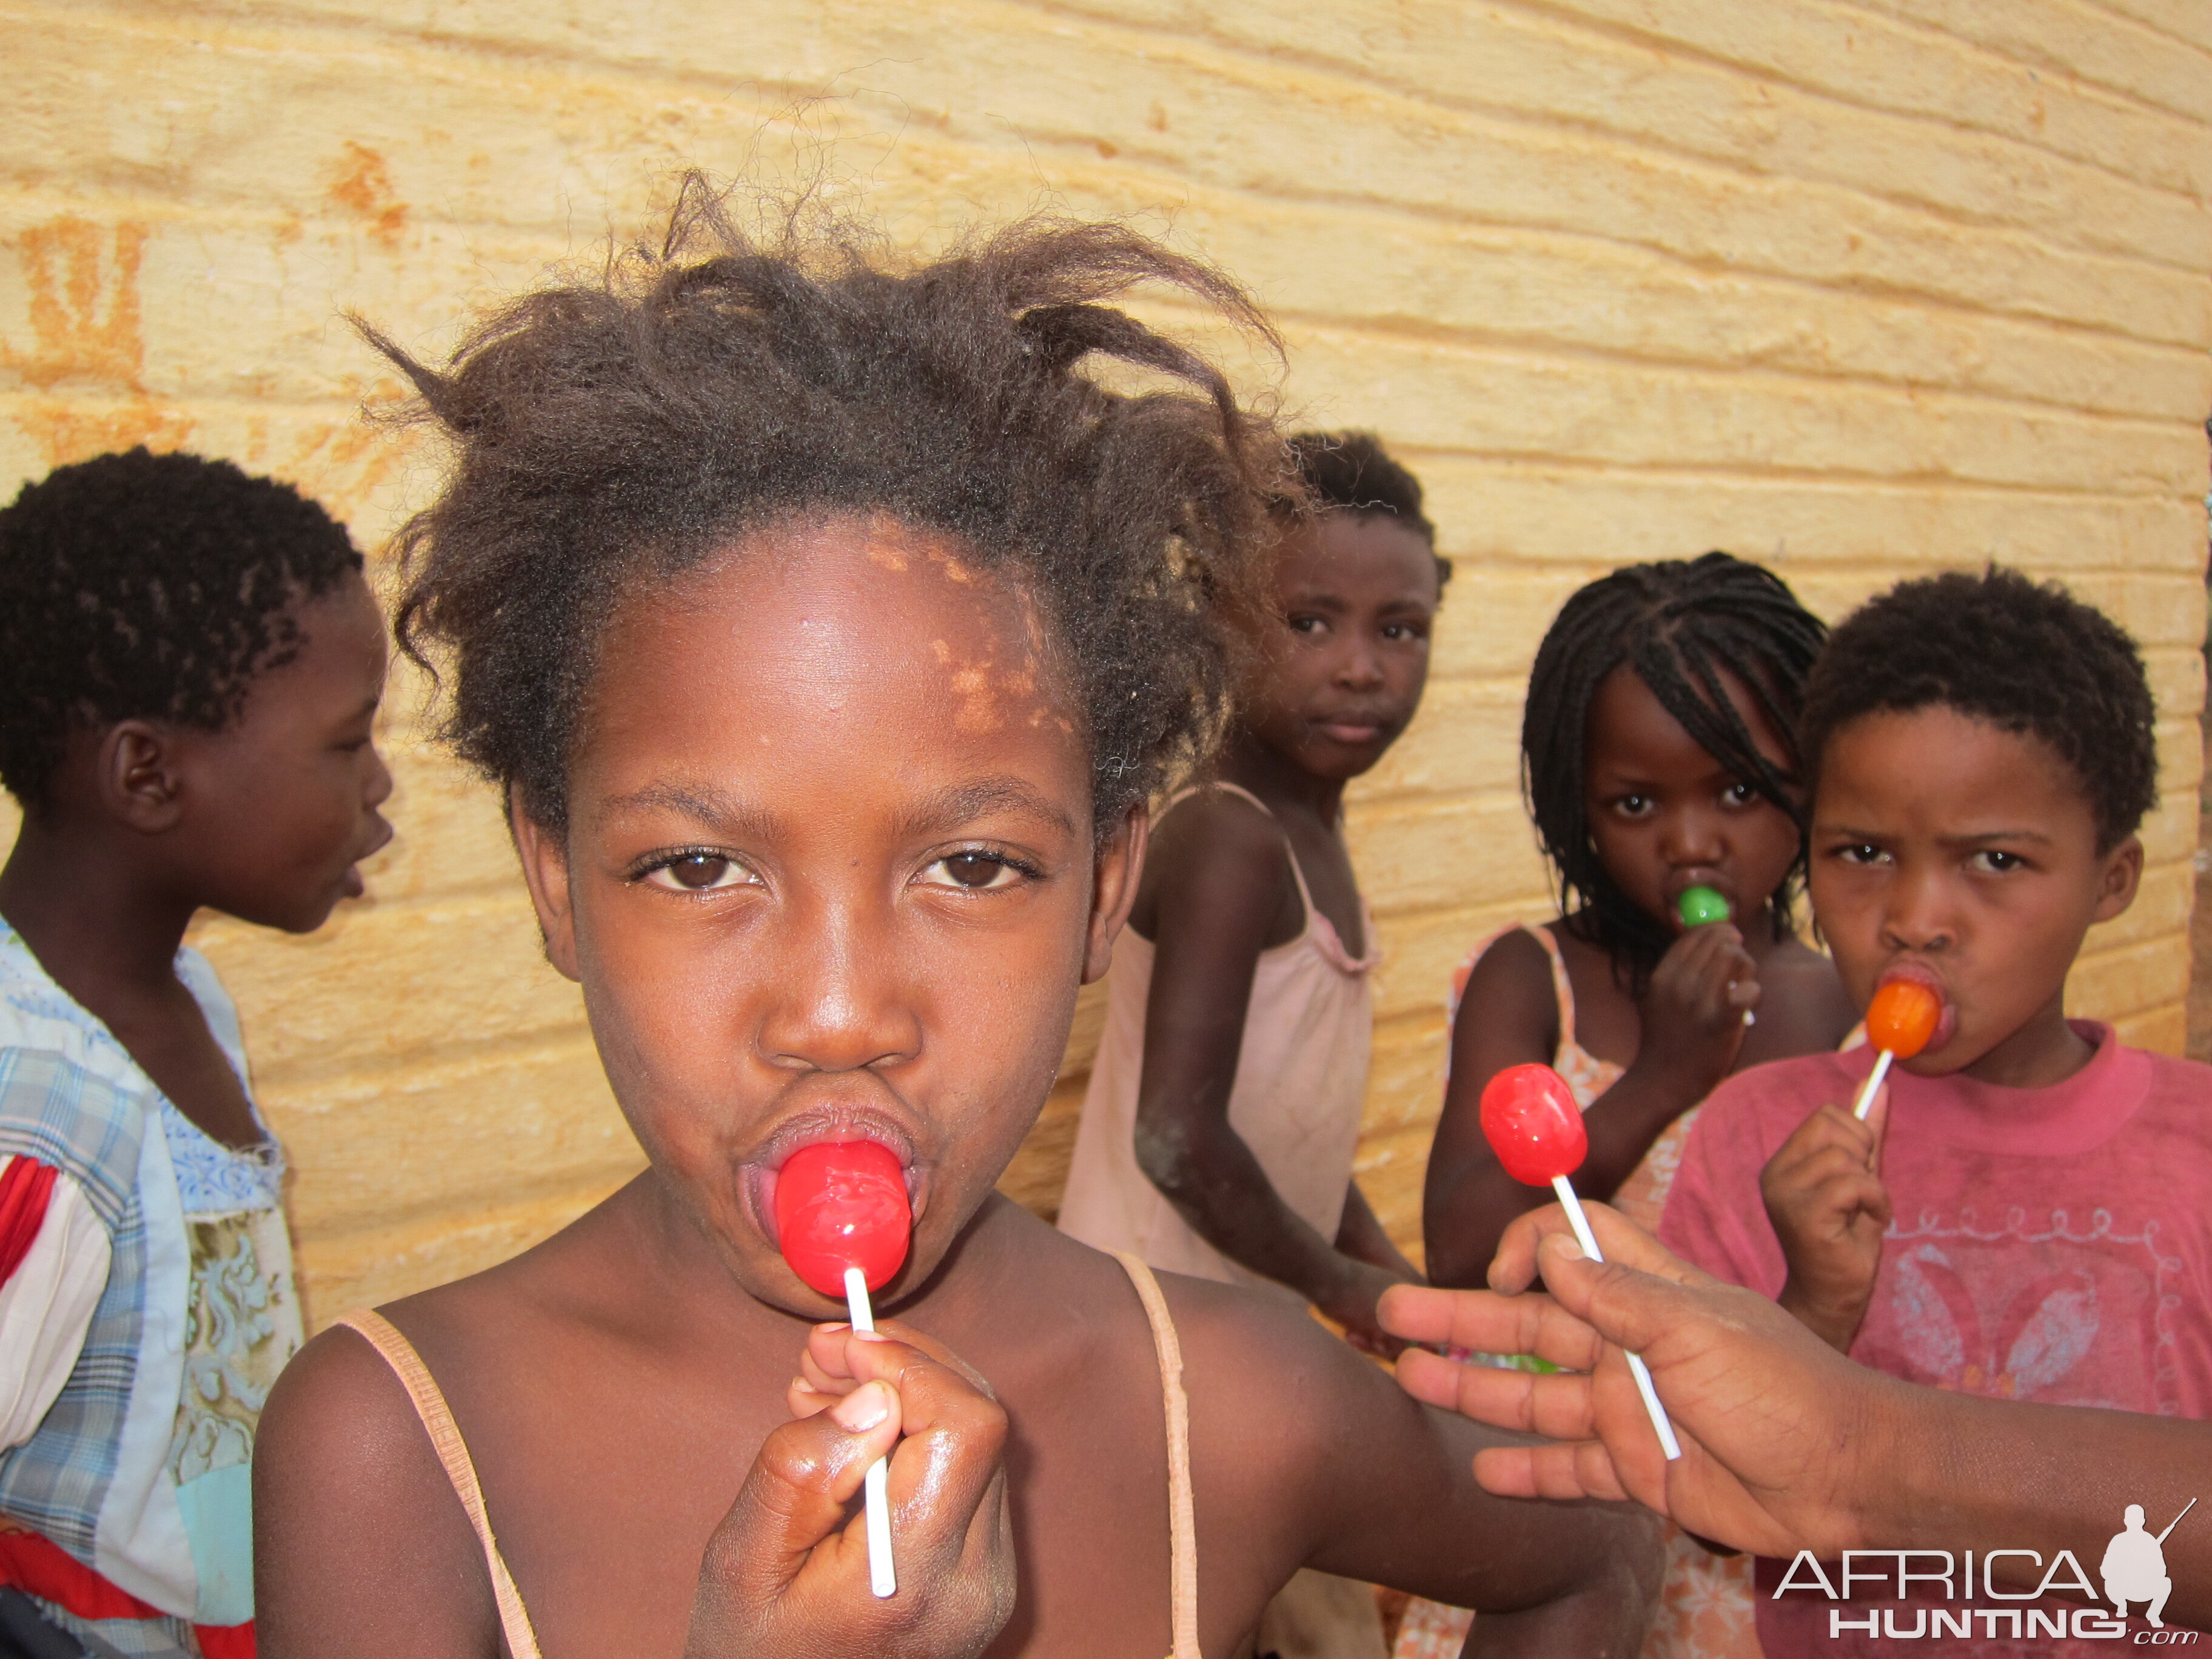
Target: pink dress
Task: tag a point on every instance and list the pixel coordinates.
(1300, 1081)
(1705, 1601)
(2048, 1244)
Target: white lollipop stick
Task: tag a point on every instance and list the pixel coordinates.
(882, 1579)
(1637, 1369)
(1874, 1082)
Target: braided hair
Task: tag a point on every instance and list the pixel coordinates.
(1680, 624)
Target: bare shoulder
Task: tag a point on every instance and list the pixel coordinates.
(1271, 1390)
(1215, 856)
(1509, 994)
(349, 1498)
(1219, 825)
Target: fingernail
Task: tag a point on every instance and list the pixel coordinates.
(1571, 1249)
(862, 1409)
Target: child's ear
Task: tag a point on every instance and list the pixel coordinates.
(1114, 889)
(2116, 884)
(136, 774)
(545, 869)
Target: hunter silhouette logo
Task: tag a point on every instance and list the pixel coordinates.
(2134, 1566)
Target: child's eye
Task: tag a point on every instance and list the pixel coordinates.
(698, 872)
(1634, 806)
(1403, 631)
(1739, 794)
(1307, 624)
(976, 872)
(1990, 861)
(1859, 853)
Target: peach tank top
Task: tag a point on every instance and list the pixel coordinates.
(515, 1624)
(1301, 1079)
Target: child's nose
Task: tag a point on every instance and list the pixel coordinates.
(380, 782)
(835, 1001)
(1690, 837)
(1360, 668)
(1916, 916)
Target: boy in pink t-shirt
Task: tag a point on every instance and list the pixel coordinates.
(2026, 1212)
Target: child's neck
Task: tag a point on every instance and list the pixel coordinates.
(104, 927)
(2042, 1054)
(1278, 780)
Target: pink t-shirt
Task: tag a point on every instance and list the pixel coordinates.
(2048, 1244)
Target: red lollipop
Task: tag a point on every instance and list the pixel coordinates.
(844, 1223)
(1531, 1121)
(843, 1204)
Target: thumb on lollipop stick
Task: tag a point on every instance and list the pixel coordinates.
(1659, 1424)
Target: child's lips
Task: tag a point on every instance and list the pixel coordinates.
(758, 1175)
(1354, 734)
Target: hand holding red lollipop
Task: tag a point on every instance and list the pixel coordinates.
(1531, 1121)
(843, 1224)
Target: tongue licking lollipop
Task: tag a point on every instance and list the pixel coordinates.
(843, 1220)
(1532, 1124)
(1899, 1021)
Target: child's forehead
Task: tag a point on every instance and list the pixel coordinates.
(1937, 753)
(818, 618)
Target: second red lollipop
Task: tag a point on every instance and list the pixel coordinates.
(1531, 1121)
(1535, 1125)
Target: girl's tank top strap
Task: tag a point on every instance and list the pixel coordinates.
(1562, 987)
(1185, 793)
(1182, 1513)
(452, 1452)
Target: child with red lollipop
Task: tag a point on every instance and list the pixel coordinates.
(828, 624)
(2022, 1212)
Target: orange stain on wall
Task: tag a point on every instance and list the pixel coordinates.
(81, 281)
(364, 186)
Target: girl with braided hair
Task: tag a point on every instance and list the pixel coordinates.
(1657, 755)
(827, 623)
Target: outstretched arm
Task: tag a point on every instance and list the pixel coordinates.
(1222, 871)
(1786, 1444)
(1310, 1456)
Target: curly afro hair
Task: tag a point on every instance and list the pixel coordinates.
(1680, 624)
(619, 433)
(2024, 656)
(145, 587)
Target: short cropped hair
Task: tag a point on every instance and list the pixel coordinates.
(1351, 472)
(145, 587)
(2025, 656)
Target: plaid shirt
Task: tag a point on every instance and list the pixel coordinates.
(94, 1477)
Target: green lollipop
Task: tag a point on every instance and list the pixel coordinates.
(1699, 905)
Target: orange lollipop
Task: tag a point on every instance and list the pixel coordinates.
(1899, 1020)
